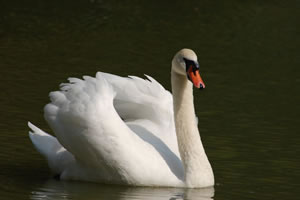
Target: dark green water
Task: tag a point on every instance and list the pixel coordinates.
(248, 114)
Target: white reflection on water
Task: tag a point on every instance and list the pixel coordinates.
(57, 190)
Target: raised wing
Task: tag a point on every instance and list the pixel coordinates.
(140, 100)
(87, 118)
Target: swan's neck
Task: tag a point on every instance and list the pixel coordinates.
(197, 168)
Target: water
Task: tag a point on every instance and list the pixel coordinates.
(248, 114)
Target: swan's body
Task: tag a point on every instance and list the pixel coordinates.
(119, 130)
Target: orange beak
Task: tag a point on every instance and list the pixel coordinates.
(196, 78)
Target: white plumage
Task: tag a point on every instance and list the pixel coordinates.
(120, 130)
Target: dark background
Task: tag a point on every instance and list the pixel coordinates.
(249, 59)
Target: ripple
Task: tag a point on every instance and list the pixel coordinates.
(76, 190)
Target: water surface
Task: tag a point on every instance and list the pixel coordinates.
(248, 114)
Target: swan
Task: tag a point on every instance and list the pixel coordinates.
(127, 130)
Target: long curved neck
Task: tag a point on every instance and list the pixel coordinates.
(197, 168)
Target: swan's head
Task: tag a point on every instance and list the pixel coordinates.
(185, 63)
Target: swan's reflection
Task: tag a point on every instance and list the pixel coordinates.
(76, 190)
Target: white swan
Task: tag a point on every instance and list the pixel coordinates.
(129, 131)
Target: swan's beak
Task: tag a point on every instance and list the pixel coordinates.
(194, 76)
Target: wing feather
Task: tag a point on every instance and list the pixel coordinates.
(87, 117)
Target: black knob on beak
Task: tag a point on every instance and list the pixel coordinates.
(201, 86)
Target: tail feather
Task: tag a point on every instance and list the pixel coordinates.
(58, 157)
(46, 144)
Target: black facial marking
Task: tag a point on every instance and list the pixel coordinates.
(191, 63)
